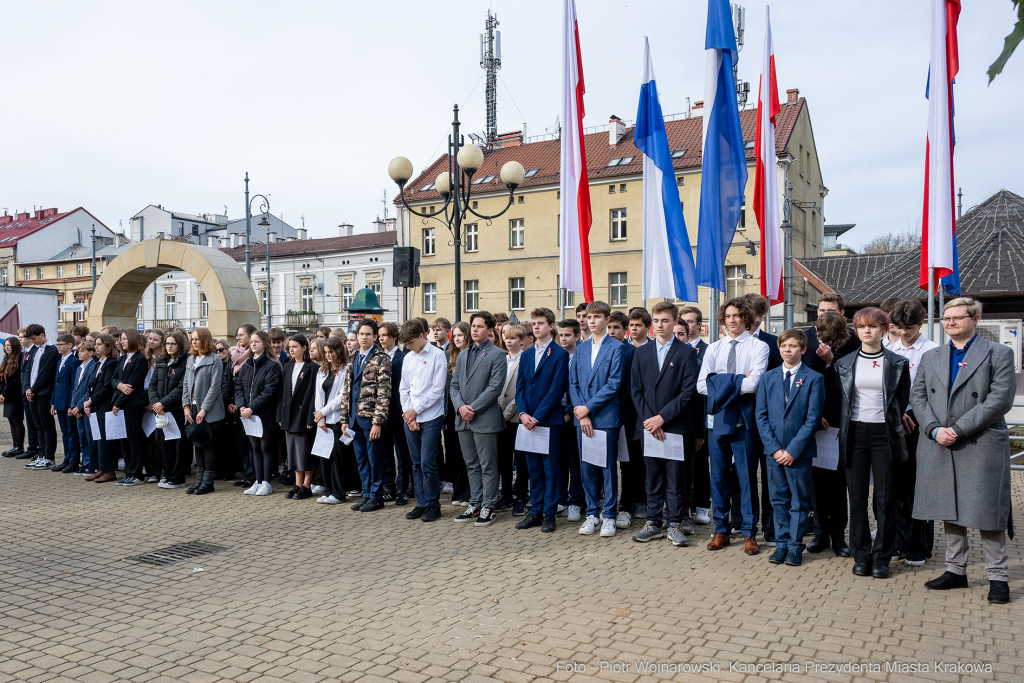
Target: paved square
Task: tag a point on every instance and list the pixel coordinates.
(308, 593)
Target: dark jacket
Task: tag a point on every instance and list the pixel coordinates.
(774, 355)
(64, 383)
(698, 402)
(131, 371)
(895, 392)
(81, 389)
(727, 405)
(833, 392)
(165, 387)
(294, 410)
(47, 375)
(14, 400)
(101, 391)
(257, 387)
(395, 407)
(625, 388)
(539, 388)
(790, 425)
(666, 392)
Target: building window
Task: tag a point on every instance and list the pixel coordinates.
(521, 199)
(611, 189)
(622, 187)
(472, 233)
(428, 241)
(79, 317)
(170, 306)
(39, 273)
(306, 296)
(81, 269)
(472, 288)
(60, 271)
(3, 277)
(620, 161)
(517, 233)
(734, 276)
(676, 153)
(181, 228)
(517, 293)
(264, 301)
(680, 181)
(430, 297)
(28, 273)
(204, 306)
(140, 312)
(346, 297)
(375, 288)
(617, 288)
(618, 224)
(195, 229)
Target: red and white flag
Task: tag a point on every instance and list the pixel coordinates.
(576, 217)
(766, 187)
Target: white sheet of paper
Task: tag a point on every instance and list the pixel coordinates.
(253, 426)
(115, 426)
(623, 454)
(536, 440)
(171, 431)
(347, 436)
(595, 450)
(827, 441)
(148, 423)
(94, 424)
(323, 444)
(670, 449)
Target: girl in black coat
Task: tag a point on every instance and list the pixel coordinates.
(295, 416)
(257, 392)
(101, 396)
(165, 394)
(130, 396)
(11, 395)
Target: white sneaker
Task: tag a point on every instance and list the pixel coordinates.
(120, 464)
(446, 487)
(574, 513)
(331, 500)
(162, 484)
(561, 510)
(590, 526)
(607, 527)
(32, 464)
(623, 520)
(251, 491)
(318, 491)
(264, 489)
(43, 464)
(322, 499)
(703, 516)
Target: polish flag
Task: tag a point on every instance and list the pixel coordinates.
(766, 190)
(574, 252)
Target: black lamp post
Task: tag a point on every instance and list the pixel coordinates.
(456, 189)
(264, 209)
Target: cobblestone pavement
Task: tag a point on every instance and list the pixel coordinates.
(309, 593)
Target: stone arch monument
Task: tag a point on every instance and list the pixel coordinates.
(229, 293)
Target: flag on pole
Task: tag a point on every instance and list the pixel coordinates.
(10, 322)
(766, 186)
(574, 252)
(668, 259)
(724, 168)
(938, 225)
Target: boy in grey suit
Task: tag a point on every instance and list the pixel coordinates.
(476, 385)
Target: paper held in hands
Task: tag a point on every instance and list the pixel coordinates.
(148, 423)
(534, 440)
(171, 431)
(623, 454)
(595, 450)
(323, 445)
(115, 426)
(94, 425)
(827, 441)
(347, 436)
(669, 449)
(253, 426)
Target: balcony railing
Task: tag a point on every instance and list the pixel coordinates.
(167, 324)
(302, 319)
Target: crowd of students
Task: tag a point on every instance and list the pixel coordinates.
(605, 419)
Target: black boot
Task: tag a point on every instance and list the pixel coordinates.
(199, 482)
(207, 487)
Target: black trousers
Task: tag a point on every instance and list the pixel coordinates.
(153, 454)
(634, 475)
(31, 427)
(177, 452)
(46, 428)
(506, 459)
(829, 504)
(913, 536)
(134, 454)
(665, 485)
(867, 454)
(17, 431)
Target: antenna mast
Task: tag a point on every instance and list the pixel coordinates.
(490, 61)
(739, 20)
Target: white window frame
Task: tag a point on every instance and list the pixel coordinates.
(306, 298)
(618, 289)
(170, 306)
(430, 297)
(375, 288)
(471, 295)
(429, 242)
(516, 233)
(346, 295)
(81, 269)
(472, 237)
(517, 290)
(60, 271)
(264, 300)
(28, 273)
(734, 277)
(39, 273)
(204, 305)
(618, 231)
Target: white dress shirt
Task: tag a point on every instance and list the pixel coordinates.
(423, 378)
(296, 371)
(393, 351)
(595, 347)
(35, 364)
(792, 376)
(508, 366)
(913, 352)
(663, 350)
(539, 352)
(751, 355)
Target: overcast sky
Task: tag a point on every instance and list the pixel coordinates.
(116, 105)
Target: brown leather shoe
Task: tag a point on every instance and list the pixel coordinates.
(718, 541)
(94, 476)
(750, 546)
(107, 476)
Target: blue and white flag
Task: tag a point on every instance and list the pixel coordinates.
(724, 168)
(668, 260)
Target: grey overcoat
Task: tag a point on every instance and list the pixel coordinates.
(968, 483)
(479, 387)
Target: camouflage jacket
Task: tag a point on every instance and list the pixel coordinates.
(375, 391)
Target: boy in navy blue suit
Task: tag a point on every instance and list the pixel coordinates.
(790, 400)
(60, 402)
(595, 376)
(540, 384)
(86, 369)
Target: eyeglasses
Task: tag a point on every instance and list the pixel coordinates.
(222, 350)
(953, 319)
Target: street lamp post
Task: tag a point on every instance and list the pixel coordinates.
(264, 209)
(456, 188)
(93, 258)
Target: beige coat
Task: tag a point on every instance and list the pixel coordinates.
(507, 400)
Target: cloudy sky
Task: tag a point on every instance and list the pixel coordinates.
(116, 105)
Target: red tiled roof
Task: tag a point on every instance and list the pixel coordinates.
(685, 134)
(323, 245)
(24, 224)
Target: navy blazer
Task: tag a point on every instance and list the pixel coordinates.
(539, 391)
(666, 392)
(395, 406)
(597, 387)
(64, 383)
(629, 350)
(80, 390)
(790, 425)
(727, 404)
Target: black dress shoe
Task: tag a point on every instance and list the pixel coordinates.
(291, 494)
(303, 493)
(999, 592)
(946, 581)
(241, 482)
(202, 490)
(818, 544)
(861, 569)
(841, 549)
(880, 572)
(372, 505)
(531, 520)
(70, 469)
(430, 515)
(26, 455)
(360, 503)
(548, 527)
(415, 513)
(13, 453)
(401, 499)
(58, 467)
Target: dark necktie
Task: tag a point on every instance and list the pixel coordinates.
(785, 384)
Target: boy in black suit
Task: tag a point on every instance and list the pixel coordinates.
(42, 373)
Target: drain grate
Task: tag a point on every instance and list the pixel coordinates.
(177, 553)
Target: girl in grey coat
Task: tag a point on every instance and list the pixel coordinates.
(202, 402)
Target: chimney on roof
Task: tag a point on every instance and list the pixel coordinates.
(23, 216)
(210, 241)
(4, 220)
(225, 242)
(345, 230)
(120, 238)
(616, 129)
(234, 240)
(301, 232)
(389, 225)
(378, 225)
(513, 139)
(792, 95)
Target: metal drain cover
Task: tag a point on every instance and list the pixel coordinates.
(178, 553)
